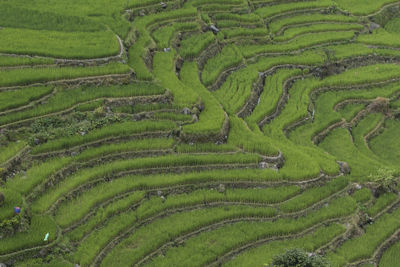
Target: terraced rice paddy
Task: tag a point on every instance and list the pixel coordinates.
(199, 132)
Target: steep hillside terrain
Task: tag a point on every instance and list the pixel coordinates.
(199, 132)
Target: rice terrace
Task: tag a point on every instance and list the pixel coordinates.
(200, 133)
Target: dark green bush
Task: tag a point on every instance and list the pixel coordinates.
(298, 258)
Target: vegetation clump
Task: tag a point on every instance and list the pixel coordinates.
(299, 258)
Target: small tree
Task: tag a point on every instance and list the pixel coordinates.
(298, 258)
(385, 180)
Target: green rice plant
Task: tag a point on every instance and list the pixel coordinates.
(13, 77)
(363, 195)
(17, 98)
(194, 44)
(212, 117)
(229, 56)
(391, 256)
(242, 137)
(362, 8)
(104, 211)
(223, 24)
(68, 98)
(277, 25)
(301, 42)
(76, 15)
(59, 44)
(339, 144)
(55, 262)
(237, 89)
(68, 213)
(386, 145)
(363, 247)
(138, 108)
(178, 117)
(40, 225)
(39, 173)
(380, 37)
(223, 8)
(325, 115)
(222, 240)
(206, 196)
(11, 199)
(350, 110)
(205, 147)
(136, 61)
(164, 35)
(264, 254)
(29, 18)
(198, 3)
(90, 106)
(393, 25)
(115, 130)
(297, 106)
(9, 151)
(314, 195)
(144, 3)
(88, 175)
(366, 125)
(155, 181)
(358, 49)
(170, 227)
(311, 29)
(380, 203)
(164, 69)
(273, 89)
(136, 145)
(326, 162)
(10, 61)
(138, 50)
(245, 32)
(242, 18)
(155, 205)
(343, 51)
(395, 104)
(270, 11)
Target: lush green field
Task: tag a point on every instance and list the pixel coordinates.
(199, 132)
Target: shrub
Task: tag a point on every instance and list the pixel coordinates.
(299, 258)
(385, 181)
